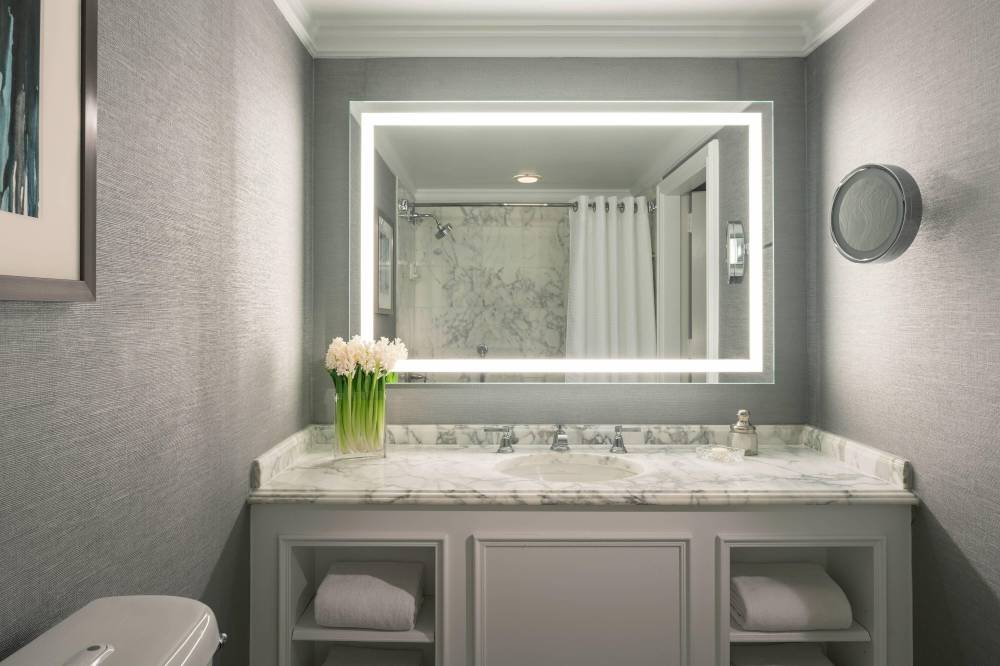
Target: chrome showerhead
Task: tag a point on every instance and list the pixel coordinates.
(442, 229)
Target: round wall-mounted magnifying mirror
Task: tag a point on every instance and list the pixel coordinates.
(876, 213)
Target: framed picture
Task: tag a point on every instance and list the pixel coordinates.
(48, 158)
(386, 282)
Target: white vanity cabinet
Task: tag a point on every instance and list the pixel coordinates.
(581, 585)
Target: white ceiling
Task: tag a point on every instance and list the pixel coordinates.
(440, 162)
(533, 28)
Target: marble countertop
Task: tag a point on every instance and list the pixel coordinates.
(672, 475)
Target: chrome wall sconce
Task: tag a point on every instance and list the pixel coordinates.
(736, 251)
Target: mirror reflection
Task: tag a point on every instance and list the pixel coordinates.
(575, 242)
(876, 213)
(869, 211)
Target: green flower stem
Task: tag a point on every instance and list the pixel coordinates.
(360, 410)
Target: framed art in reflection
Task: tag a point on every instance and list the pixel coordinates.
(386, 263)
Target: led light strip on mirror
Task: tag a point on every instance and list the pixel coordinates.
(369, 121)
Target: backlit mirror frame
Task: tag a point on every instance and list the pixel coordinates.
(372, 115)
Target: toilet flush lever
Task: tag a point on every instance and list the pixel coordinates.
(92, 655)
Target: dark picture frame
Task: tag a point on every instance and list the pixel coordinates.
(18, 288)
(385, 264)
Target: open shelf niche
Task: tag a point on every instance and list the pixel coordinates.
(305, 562)
(857, 565)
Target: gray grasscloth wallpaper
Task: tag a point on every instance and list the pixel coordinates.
(127, 426)
(337, 82)
(906, 355)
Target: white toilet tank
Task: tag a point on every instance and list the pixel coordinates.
(127, 631)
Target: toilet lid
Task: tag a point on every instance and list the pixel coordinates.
(127, 631)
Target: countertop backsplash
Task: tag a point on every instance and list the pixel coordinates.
(317, 439)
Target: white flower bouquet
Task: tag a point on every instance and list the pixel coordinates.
(360, 370)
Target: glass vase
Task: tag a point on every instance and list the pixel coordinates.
(360, 415)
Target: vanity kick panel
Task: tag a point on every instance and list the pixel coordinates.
(541, 602)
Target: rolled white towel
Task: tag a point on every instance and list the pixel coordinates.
(370, 595)
(805, 654)
(768, 596)
(354, 656)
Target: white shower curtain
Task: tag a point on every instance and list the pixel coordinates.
(610, 313)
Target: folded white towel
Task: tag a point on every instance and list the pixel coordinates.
(787, 597)
(353, 656)
(370, 595)
(806, 654)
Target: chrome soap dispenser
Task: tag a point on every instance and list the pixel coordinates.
(743, 434)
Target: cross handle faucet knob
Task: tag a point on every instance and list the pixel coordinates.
(507, 440)
(618, 446)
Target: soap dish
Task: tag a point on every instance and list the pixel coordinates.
(720, 453)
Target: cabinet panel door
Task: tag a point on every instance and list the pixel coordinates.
(586, 602)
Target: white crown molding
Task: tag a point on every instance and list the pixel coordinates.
(509, 195)
(378, 37)
(298, 18)
(832, 20)
(372, 39)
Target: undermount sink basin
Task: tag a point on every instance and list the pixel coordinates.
(569, 467)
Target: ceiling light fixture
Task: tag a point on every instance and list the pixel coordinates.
(527, 178)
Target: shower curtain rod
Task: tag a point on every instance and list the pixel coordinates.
(650, 205)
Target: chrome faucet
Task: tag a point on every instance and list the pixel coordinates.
(507, 440)
(560, 442)
(619, 444)
(482, 350)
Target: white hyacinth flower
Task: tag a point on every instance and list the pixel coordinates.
(378, 357)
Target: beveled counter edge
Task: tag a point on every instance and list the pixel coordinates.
(572, 498)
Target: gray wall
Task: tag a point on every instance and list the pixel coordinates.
(905, 355)
(734, 206)
(337, 82)
(127, 426)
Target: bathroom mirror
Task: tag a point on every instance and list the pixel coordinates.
(876, 213)
(568, 242)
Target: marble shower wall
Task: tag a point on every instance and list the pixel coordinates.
(499, 278)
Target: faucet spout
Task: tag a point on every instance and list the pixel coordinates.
(560, 442)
